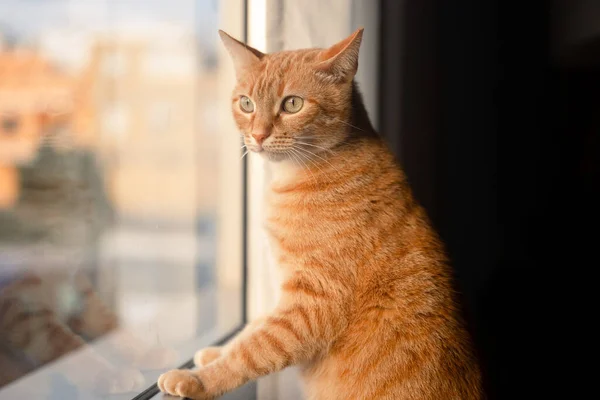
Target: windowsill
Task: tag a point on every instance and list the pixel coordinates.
(246, 392)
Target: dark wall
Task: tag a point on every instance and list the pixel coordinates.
(500, 142)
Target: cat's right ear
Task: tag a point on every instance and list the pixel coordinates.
(341, 59)
(243, 56)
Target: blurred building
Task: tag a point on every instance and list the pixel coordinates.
(141, 101)
(156, 140)
(140, 105)
(38, 103)
(148, 92)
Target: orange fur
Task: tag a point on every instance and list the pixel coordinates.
(367, 308)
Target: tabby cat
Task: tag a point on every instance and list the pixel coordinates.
(367, 309)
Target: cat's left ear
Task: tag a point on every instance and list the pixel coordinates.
(243, 56)
(341, 59)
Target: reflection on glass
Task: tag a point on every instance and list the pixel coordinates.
(109, 194)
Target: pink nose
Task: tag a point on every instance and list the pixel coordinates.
(260, 137)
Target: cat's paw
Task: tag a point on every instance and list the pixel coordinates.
(206, 356)
(183, 383)
(156, 358)
(126, 380)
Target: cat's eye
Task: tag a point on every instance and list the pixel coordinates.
(246, 104)
(292, 104)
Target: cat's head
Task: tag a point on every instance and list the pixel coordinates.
(293, 104)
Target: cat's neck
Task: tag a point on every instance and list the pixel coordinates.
(328, 168)
(284, 172)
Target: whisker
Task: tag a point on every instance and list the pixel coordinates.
(299, 157)
(311, 136)
(308, 159)
(244, 154)
(294, 157)
(314, 145)
(321, 136)
(346, 123)
(316, 155)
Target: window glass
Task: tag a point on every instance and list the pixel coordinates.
(120, 192)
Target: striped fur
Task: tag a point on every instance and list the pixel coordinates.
(367, 308)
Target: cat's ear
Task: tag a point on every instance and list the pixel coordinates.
(242, 55)
(341, 59)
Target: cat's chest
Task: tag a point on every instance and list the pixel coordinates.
(292, 225)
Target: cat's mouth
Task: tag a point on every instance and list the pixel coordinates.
(271, 151)
(253, 147)
(268, 154)
(273, 154)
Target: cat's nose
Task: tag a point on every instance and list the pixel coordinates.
(260, 137)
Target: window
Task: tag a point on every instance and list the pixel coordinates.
(115, 120)
(114, 64)
(160, 116)
(178, 62)
(121, 254)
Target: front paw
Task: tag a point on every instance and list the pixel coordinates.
(183, 383)
(206, 356)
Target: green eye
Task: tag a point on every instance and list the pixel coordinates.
(292, 104)
(246, 104)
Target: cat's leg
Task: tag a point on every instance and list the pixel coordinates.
(207, 355)
(305, 322)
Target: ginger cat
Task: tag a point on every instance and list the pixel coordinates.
(367, 308)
